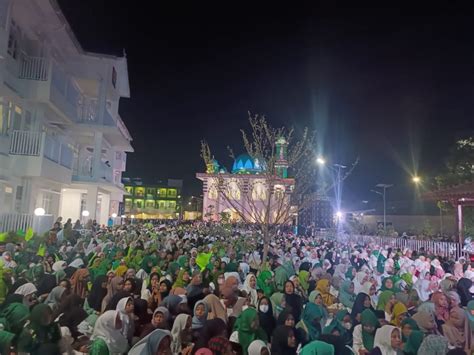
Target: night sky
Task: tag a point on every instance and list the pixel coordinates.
(394, 86)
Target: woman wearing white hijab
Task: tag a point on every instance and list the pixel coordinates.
(359, 280)
(157, 342)
(108, 330)
(27, 291)
(256, 347)
(387, 339)
(422, 286)
(125, 309)
(250, 287)
(181, 323)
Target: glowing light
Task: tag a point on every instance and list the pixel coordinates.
(132, 216)
(114, 215)
(39, 211)
(123, 216)
(416, 179)
(85, 213)
(320, 160)
(339, 214)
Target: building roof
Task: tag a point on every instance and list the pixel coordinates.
(245, 164)
(458, 193)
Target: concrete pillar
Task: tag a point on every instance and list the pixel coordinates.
(104, 209)
(460, 223)
(104, 82)
(97, 159)
(91, 203)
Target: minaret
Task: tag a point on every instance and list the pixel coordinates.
(281, 163)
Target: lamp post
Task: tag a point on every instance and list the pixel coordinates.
(384, 187)
(337, 170)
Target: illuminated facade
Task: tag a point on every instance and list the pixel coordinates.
(245, 191)
(152, 201)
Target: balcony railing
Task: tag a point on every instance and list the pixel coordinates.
(33, 68)
(11, 222)
(26, 143)
(40, 144)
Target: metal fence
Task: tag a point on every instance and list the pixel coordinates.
(439, 248)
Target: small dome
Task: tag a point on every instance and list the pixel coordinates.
(244, 164)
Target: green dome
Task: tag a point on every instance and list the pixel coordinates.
(244, 164)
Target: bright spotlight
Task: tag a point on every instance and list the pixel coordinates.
(339, 214)
(39, 211)
(132, 216)
(416, 179)
(85, 213)
(114, 215)
(320, 160)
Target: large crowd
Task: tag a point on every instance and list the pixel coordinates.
(203, 289)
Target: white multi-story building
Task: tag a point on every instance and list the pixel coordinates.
(62, 142)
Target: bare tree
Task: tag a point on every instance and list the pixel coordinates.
(268, 198)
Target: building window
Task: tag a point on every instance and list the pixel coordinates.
(46, 203)
(233, 190)
(172, 193)
(114, 77)
(162, 193)
(150, 193)
(171, 205)
(150, 203)
(129, 189)
(139, 191)
(128, 204)
(212, 193)
(138, 203)
(4, 117)
(13, 40)
(259, 192)
(161, 204)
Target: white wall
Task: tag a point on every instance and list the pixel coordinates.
(70, 205)
(104, 209)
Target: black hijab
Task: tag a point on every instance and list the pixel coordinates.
(267, 321)
(358, 307)
(211, 329)
(463, 287)
(280, 341)
(97, 293)
(294, 302)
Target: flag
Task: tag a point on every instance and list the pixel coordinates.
(41, 250)
(29, 234)
(20, 232)
(3, 236)
(202, 260)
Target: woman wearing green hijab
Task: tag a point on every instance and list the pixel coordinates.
(265, 283)
(248, 328)
(350, 273)
(346, 294)
(303, 277)
(183, 279)
(413, 343)
(40, 331)
(364, 333)
(340, 325)
(407, 326)
(318, 347)
(311, 321)
(384, 298)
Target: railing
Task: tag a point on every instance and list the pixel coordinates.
(445, 249)
(31, 144)
(15, 221)
(26, 143)
(33, 68)
(58, 152)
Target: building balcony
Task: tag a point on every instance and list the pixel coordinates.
(104, 174)
(42, 155)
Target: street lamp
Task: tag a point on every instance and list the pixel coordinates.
(39, 211)
(320, 161)
(416, 179)
(384, 187)
(114, 215)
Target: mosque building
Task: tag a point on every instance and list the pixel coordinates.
(245, 192)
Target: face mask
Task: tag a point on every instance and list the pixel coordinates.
(264, 308)
(348, 325)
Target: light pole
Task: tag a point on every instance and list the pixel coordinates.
(337, 170)
(384, 187)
